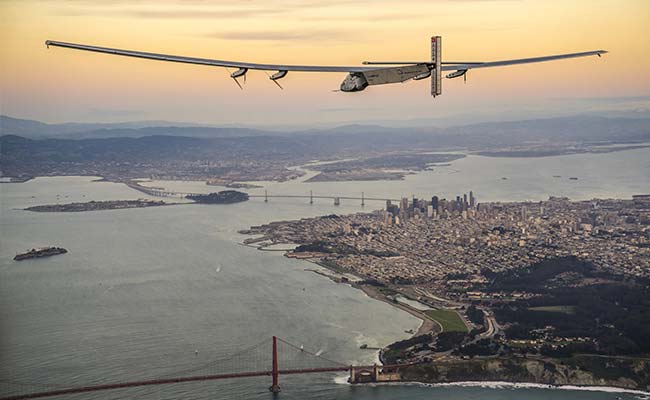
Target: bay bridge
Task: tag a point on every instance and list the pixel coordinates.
(271, 357)
(160, 192)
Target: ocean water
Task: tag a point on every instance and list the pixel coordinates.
(142, 290)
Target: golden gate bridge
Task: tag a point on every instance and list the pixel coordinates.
(272, 357)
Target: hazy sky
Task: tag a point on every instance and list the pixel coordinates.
(59, 85)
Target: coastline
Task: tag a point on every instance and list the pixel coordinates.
(536, 377)
(515, 385)
(427, 325)
(527, 370)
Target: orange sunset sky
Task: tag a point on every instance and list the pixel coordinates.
(58, 85)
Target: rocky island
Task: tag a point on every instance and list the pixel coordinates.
(40, 252)
(223, 197)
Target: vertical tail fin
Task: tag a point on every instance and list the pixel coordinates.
(436, 72)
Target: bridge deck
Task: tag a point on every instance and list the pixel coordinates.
(166, 381)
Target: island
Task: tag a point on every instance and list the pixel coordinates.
(40, 252)
(223, 197)
(97, 206)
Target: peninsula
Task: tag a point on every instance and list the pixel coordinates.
(554, 292)
(380, 167)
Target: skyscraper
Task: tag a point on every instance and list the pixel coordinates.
(472, 200)
(404, 209)
(405, 204)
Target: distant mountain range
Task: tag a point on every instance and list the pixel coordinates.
(566, 129)
(32, 148)
(74, 130)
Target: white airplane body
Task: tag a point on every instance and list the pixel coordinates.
(358, 78)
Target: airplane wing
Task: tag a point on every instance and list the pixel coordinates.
(465, 66)
(446, 66)
(359, 77)
(208, 61)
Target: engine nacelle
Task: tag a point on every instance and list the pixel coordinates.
(354, 82)
(238, 73)
(278, 75)
(456, 74)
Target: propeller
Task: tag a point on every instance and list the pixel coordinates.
(237, 74)
(275, 80)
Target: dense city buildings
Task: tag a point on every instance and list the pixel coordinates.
(450, 246)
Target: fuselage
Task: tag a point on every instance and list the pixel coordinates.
(354, 82)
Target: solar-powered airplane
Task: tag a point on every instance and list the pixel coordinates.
(359, 78)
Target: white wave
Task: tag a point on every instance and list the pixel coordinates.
(341, 379)
(332, 324)
(524, 385)
(359, 338)
(372, 357)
